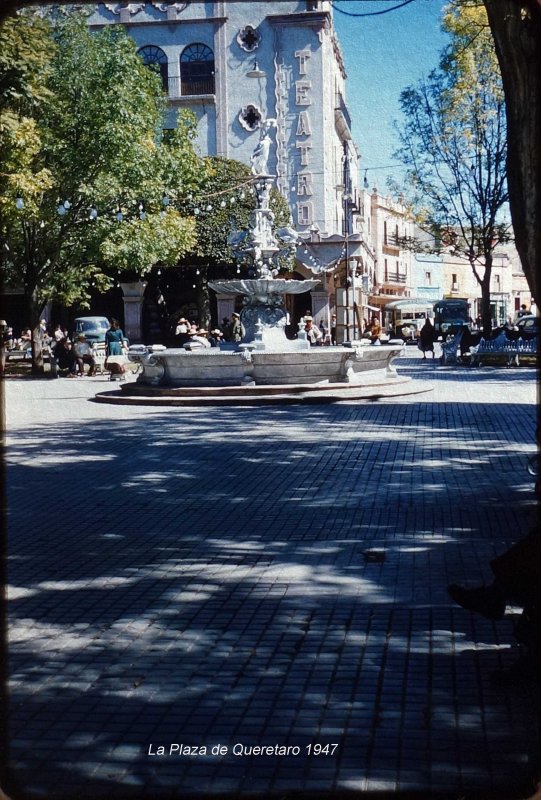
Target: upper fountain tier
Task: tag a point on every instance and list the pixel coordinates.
(261, 289)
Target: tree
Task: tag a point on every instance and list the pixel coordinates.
(94, 154)
(454, 143)
(516, 28)
(26, 54)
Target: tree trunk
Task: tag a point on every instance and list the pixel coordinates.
(516, 28)
(203, 298)
(485, 294)
(33, 311)
(38, 366)
(486, 314)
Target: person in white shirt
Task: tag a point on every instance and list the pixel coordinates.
(313, 334)
(84, 355)
(182, 331)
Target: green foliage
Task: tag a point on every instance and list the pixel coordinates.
(225, 202)
(94, 140)
(26, 53)
(25, 57)
(141, 243)
(217, 214)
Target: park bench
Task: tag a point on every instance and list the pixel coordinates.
(502, 348)
(98, 351)
(24, 352)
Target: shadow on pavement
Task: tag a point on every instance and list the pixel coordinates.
(268, 577)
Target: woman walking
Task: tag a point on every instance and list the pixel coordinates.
(114, 339)
(427, 337)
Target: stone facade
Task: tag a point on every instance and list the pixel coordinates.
(235, 64)
(508, 288)
(390, 230)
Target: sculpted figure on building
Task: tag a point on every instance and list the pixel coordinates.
(260, 156)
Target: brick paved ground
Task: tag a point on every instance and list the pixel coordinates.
(200, 577)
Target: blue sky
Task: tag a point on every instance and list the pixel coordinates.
(383, 55)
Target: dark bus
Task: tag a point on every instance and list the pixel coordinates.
(450, 316)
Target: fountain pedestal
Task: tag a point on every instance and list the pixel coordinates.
(263, 314)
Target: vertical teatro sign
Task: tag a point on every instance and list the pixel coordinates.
(303, 87)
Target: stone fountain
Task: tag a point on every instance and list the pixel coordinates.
(261, 246)
(266, 365)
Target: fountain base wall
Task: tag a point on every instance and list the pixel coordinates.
(219, 368)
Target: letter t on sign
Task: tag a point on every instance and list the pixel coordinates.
(303, 56)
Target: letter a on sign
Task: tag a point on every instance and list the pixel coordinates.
(303, 124)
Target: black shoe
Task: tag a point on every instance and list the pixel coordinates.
(485, 600)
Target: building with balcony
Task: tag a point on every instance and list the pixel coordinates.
(427, 277)
(391, 233)
(508, 286)
(235, 64)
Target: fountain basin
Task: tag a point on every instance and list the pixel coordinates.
(215, 367)
(260, 289)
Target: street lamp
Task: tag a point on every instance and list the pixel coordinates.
(347, 225)
(256, 72)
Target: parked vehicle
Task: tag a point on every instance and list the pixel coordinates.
(403, 319)
(450, 316)
(528, 326)
(94, 328)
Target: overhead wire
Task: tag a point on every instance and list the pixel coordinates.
(369, 13)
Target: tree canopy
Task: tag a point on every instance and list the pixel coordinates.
(89, 154)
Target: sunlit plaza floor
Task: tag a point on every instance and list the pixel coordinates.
(214, 580)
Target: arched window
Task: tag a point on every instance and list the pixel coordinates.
(153, 55)
(197, 70)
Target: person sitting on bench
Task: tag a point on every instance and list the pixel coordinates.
(84, 355)
(65, 357)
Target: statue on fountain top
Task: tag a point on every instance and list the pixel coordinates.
(260, 156)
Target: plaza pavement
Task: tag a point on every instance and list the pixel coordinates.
(234, 578)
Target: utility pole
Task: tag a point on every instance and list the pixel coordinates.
(347, 230)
